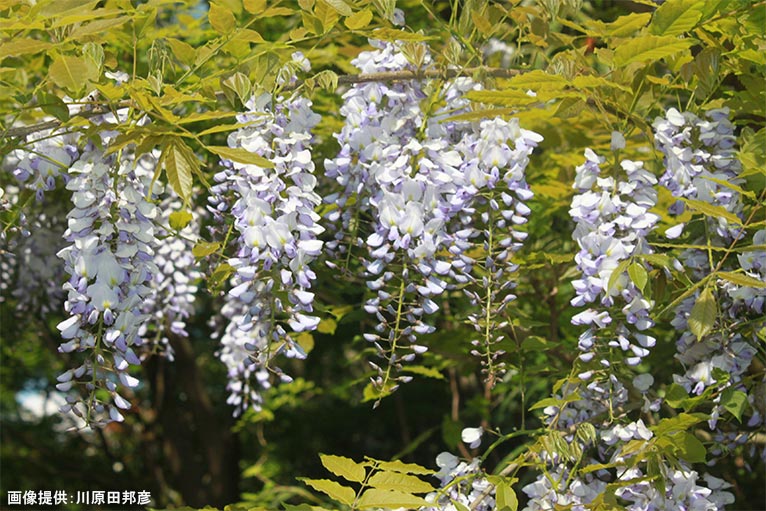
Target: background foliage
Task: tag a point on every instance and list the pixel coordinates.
(595, 67)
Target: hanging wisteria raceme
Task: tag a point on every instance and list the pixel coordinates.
(392, 180)
(44, 161)
(701, 168)
(31, 271)
(175, 282)
(110, 263)
(272, 205)
(432, 189)
(700, 159)
(487, 207)
(612, 222)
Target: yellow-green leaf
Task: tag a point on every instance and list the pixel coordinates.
(389, 499)
(22, 46)
(428, 372)
(332, 489)
(205, 248)
(327, 326)
(341, 7)
(510, 98)
(703, 315)
(536, 80)
(712, 210)
(400, 482)
(180, 163)
(344, 467)
(71, 73)
(221, 19)
(392, 34)
(638, 275)
(240, 155)
(254, 6)
(741, 279)
(505, 497)
(406, 468)
(482, 23)
(675, 17)
(179, 219)
(182, 50)
(650, 47)
(359, 19)
(592, 82)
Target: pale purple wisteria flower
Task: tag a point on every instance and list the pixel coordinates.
(464, 485)
(175, 282)
(612, 224)
(276, 238)
(435, 188)
(41, 164)
(109, 260)
(699, 156)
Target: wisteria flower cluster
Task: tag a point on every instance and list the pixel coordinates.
(701, 165)
(425, 184)
(110, 263)
(462, 484)
(277, 229)
(612, 222)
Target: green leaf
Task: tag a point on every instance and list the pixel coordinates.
(638, 275)
(405, 468)
(205, 248)
(240, 155)
(534, 343)
(616, 274)
(332, 489)
(511, 98)
(221, 19)
(71, 73)
(344, 467)
(712, 211)
(505, 497)
(675, 395)
(53, 105)
(179, 219)
(680, 422)
(649, 47)
(341, 7)
(400, 482)
(734, 401)
(359, 19)
(180, 163)
(392, 35)
(675, 17)
(536, 80)
(22, 46)
(691, 448)
(237, 84)
(703, 315)
(389, 499)
(741, 279)
(428, 372)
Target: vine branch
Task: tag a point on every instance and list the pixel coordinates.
(386, 76)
